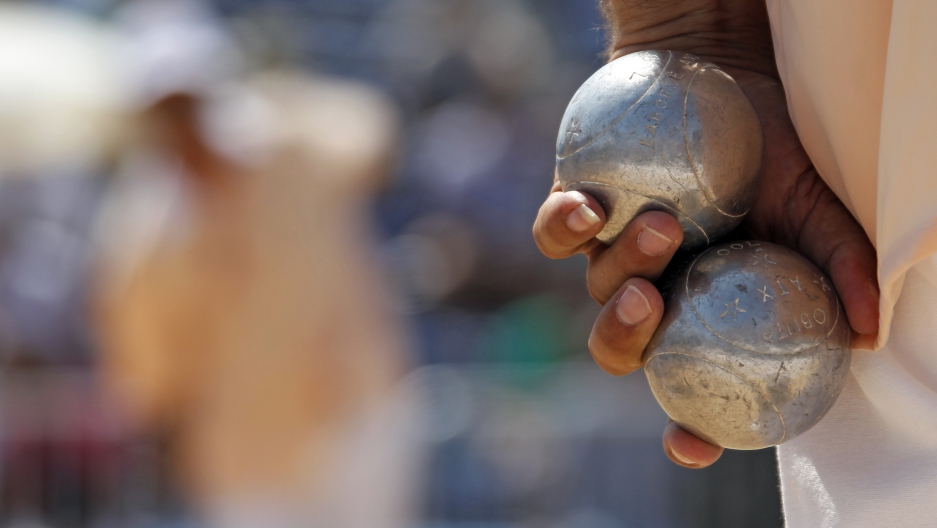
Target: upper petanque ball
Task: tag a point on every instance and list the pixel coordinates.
(665, 131)
(753, 347)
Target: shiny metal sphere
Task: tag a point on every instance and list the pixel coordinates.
(663, 130)
(753, 348)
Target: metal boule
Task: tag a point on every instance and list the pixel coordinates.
(663, 130)
(753, 348)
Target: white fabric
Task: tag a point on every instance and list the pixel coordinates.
(865, 107)
(872, 461)
(907, 170)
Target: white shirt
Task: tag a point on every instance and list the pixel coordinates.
(864, 101)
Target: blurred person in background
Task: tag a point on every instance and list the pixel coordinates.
(238, 305)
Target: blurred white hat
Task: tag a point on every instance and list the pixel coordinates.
(62, 94)
(176, 47)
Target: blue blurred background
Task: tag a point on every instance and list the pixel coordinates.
(519, 429)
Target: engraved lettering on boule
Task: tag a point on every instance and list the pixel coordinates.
(784, 313)
(819, 316)
(574, 130)
(796, 281)
(733, 310)
(764, 291)
(822, 282)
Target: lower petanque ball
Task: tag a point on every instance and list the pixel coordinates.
(753, 348)
(666, 131)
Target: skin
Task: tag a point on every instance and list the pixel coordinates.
(794, 207)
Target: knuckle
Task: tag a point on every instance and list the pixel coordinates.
(548, 246)
(597, 292)
(543, 247)
(612, 359)
(599, 299)
(598, 349)
(553, 253)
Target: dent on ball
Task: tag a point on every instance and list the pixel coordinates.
(663, 130)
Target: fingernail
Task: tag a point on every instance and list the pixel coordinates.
(682, 458)
(633, 307)
(582, 219)
(653, 243)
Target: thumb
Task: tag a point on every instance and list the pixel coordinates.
(834, 240)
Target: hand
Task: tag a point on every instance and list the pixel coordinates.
(794, 207)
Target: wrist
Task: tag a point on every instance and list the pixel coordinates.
(730, 33)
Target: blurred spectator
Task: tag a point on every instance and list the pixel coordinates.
(239, 305)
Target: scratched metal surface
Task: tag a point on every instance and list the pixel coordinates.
(753, 347)
(663, 130)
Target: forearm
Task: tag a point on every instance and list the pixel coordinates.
(733, 33)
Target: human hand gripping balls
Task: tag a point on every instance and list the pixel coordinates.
(660, 151)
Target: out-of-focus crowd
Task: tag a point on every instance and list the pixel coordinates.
(268, 264)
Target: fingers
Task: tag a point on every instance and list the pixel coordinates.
(687, 450)
(618, 340)
(643, 250)
(621, 333)
(625, 326)
(852, 270)
(567, 224)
